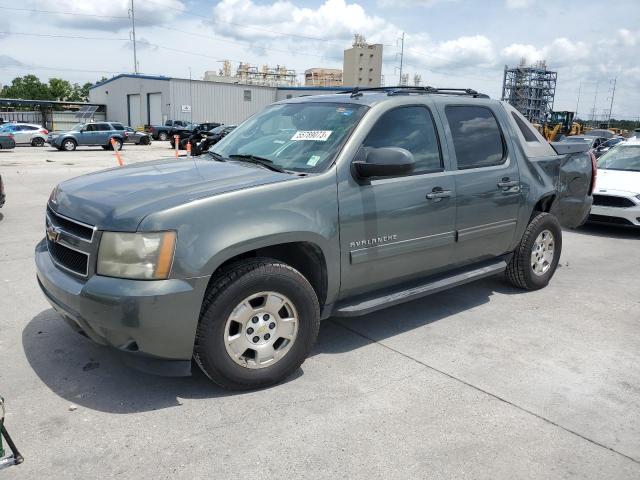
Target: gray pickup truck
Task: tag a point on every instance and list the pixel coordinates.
(332, 205)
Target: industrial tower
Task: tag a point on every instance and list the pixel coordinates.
(530, 89)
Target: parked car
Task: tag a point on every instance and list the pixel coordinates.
(161, 132)
(3, 195)
(616, 199)
(374, 198)
(7, 141)
(591, 141)
(212, 137)
(605, 146)
(89, 134)
(194, 133)
(26, 133)
(600, 132)
(194, 130)
(139, 138)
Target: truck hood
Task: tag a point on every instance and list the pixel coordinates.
(118, 199)
(618, 180)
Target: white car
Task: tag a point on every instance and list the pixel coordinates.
(26, 133)
(616, 197)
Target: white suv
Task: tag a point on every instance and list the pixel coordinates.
(26, 133)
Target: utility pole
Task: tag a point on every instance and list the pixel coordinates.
(613, 94)
(401, 56)
(133, 35)
(595, 100)
(190, 98)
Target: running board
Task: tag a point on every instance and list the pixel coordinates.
(363, 306)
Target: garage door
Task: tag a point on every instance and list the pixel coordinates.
(134, 111)
(155, 109)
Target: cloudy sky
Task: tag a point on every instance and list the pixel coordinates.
(453, 43)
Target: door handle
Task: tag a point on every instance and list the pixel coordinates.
(438, 193)
(506, 183)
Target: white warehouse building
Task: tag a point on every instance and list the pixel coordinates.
(139, 100)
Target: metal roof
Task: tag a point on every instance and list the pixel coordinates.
(131, 75)
(20, 101)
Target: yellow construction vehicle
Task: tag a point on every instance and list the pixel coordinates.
(560, 123)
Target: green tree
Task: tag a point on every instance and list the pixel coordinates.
(60, 89)
(28, 87)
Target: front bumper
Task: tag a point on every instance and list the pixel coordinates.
(629, 216)
(153, 322)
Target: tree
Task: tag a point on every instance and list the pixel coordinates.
(28, 87)
(59, 89)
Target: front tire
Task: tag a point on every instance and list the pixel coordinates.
(535, 260)
(259, 321)
(69, 145)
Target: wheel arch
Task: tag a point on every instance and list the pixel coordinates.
(306, 256)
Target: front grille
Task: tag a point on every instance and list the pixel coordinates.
(612, 201)
(613, 220)
(72, 260)
(74, 228)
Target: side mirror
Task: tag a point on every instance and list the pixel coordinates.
(384, 162)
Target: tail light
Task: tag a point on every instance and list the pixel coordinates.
(44, 131)
(594, 173)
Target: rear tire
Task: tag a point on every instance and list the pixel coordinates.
(284, 312)
(535, 260)
(144, 141)
(162, 136)
(37, 142)
(117, 144)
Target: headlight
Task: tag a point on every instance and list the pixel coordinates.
(144, 256)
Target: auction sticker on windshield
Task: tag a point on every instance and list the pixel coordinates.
(315, 135)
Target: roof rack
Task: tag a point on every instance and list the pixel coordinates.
(407, 90)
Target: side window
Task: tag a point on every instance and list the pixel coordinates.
(413, 129)
(476, 136)
(90, 128)
(524, 129)
(117, 126)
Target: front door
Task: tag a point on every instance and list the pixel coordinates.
(87, 135)
(395, 229)
(488, 193)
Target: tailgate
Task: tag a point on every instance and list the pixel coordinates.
(575, 184)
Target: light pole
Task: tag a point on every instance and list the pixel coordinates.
(133, 35)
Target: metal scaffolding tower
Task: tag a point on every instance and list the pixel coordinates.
(530, 89)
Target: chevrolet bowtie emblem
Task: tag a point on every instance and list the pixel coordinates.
(53, 233)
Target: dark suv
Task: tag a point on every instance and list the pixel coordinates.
(328, 205)
(89, 134)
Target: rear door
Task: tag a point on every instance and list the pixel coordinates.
(487, 182)
(21, 134)
(395, 229)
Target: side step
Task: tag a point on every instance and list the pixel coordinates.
(388, 298)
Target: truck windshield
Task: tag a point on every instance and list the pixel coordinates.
(303, 137)
(622, 157)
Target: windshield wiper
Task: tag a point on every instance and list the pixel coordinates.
(265, 162)
(217, 156)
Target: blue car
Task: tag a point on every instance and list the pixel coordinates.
(89, 134)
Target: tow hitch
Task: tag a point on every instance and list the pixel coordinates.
(14, 458)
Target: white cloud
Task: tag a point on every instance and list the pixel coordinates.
(110, 14)
(460, 53)
(516, 4)
(560, 52)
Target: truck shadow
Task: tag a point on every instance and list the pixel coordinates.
(383, 324)
(91, 376)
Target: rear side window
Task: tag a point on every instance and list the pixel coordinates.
(117, 126)
(476, 136)
(91, 128)
(524, 129)
(413, 129)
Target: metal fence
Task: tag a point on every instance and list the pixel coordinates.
(55, 121)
